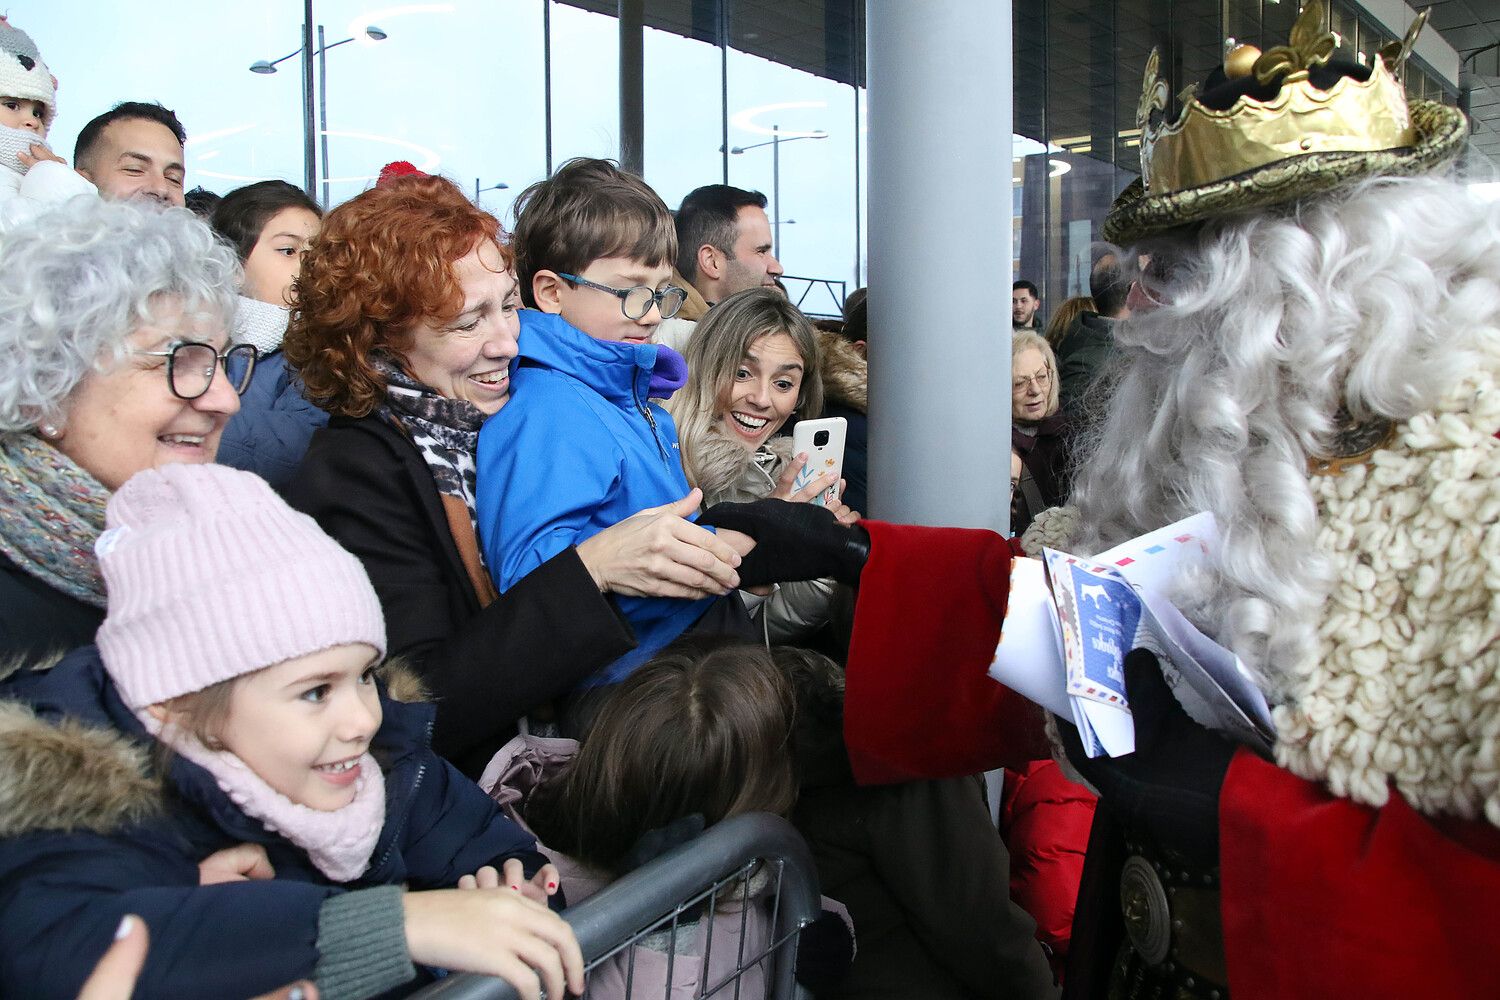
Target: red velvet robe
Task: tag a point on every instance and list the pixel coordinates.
(1321, 897)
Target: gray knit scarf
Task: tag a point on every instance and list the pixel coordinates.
(51, 512)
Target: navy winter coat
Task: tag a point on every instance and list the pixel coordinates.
(271, 432)
(89, 833)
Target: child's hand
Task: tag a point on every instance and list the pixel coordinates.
(494, 932)
(239, 863)
(39, 152)
(842, 511)
(543, 884)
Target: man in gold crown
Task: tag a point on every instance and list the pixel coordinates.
(1321, 371)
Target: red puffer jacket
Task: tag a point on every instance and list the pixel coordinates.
(1045, 820)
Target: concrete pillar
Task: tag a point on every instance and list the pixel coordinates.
(939, 77)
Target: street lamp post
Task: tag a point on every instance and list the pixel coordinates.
(262, 66)
(493, 187)
(775, 143)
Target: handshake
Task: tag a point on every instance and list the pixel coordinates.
(793, 541)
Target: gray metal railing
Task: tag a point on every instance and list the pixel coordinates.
(652, 900)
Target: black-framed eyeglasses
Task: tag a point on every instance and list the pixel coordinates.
(191, 366)
(636, 302)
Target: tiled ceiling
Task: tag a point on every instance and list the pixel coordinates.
(1472, 27)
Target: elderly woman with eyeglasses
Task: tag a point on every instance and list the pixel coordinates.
(1039, 432)
(115, 356)
(405, 330)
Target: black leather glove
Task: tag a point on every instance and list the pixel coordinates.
(793, 541)
(1169, 788)
(825, 950)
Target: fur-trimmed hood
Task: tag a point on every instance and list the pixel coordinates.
(695, 306)
(70, 775)
(727, 471)
(845, 373)
(73, 757)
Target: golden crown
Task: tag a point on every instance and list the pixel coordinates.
(1204, 145)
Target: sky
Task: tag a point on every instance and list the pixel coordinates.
(456, 88)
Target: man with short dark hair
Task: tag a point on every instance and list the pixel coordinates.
(134, 150)
(1086, 349)
(724, 241)
(723, 247)
(1025, 301)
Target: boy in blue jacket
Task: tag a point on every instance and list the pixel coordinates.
(581, 445)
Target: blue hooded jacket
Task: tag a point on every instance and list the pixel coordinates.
(92, 831)
(578, 448)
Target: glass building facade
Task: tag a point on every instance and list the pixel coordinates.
(763, 94)
(1078, 75)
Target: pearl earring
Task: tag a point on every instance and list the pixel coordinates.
(49, 431)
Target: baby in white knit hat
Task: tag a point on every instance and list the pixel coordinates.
(32, 177)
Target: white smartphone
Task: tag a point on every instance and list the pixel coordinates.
(823, 442)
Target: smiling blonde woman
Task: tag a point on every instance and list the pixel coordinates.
(753, 363)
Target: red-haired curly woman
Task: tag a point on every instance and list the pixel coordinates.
(405, 331)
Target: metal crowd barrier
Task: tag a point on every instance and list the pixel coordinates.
(821, 298)
(652, 900)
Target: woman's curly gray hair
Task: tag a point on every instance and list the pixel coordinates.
(1373, 301)
(75, 282)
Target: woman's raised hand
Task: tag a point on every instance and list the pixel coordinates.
(120, 966)
(659, 553)
(494, 932)
(784, 489)
(785, 486)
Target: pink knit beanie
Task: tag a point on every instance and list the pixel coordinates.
(211, 575)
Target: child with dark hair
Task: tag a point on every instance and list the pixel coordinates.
(701, 733)
(269, 225)
(583, 444)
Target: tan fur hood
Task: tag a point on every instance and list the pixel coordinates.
(70, 776)
(695, 305)
(726, 471)
(845, 372)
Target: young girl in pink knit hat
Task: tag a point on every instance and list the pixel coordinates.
(227, 766)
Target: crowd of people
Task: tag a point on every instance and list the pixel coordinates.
(377, 582)
(345, 513)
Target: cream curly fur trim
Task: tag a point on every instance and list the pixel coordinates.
(1406, 689)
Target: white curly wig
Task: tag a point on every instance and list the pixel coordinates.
(1376, 299)
(75, 282)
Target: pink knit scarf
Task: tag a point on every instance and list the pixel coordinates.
(339, 843)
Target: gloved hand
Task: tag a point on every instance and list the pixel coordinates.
(793, 541)
(825, 950)
(1169, 788)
